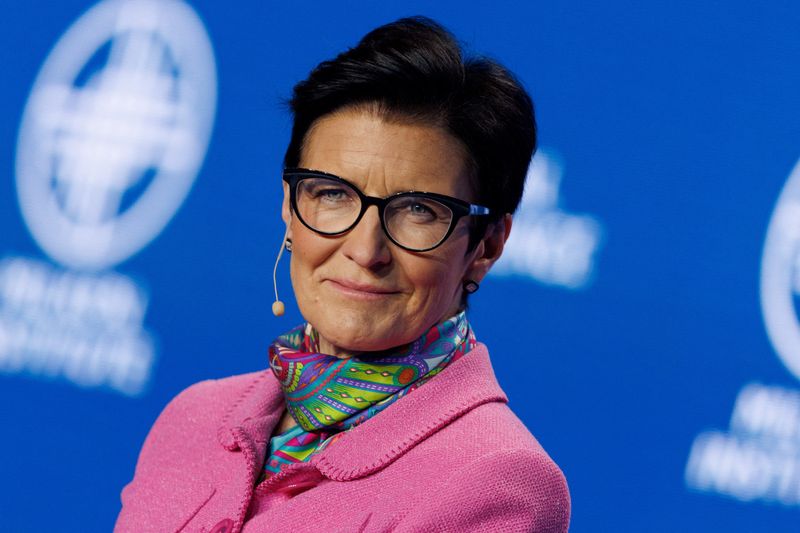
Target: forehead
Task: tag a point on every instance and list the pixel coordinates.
(383, 157)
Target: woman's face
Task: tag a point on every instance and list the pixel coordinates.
(359, 290)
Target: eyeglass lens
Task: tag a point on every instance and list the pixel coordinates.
(330, 206)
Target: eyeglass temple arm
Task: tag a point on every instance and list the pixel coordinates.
(478, 210)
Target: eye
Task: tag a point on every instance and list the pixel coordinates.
(331, 194)
(420, 209)
(326, 192)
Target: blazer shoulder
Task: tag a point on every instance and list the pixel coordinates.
(490, 427)
(197, 410)
(209, 396)
(508, 489)
(499, 437)
(212, 392)
(533, 488)
(505, 480)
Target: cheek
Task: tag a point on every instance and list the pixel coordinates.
(309, 251)
(433, 280)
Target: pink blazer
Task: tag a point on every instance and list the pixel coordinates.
(450, 456)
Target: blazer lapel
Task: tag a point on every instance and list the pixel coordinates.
(253, 415)
(371, 446)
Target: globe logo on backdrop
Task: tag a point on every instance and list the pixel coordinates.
(115, 129)
(112, 137)
(756, 458)
(780, 274)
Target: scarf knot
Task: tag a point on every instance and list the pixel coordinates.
(327, 395)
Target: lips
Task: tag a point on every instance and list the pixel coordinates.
(367, 289)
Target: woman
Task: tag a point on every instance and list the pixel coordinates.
(381, 412)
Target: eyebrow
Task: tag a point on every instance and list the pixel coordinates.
(390, 192)
(388, 195)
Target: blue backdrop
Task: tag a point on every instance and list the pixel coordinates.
(659, 367)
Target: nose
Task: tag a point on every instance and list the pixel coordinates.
(367, 244)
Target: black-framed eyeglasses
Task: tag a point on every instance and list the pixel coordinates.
(413, 220)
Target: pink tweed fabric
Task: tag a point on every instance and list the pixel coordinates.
(451, 456)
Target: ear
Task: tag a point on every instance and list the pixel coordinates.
(489, 249)
(286, 208)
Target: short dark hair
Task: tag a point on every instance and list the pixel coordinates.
(414, 69)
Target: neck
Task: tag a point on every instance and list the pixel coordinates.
(331, 349)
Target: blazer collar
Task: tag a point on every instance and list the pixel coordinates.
(374, 444)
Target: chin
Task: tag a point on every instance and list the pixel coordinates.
(357, 341)
(355, 332)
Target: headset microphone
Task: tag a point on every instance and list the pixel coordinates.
(277, 306)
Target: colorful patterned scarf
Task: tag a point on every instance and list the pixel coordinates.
(327, 395)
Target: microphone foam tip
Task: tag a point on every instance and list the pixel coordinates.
(277, 308)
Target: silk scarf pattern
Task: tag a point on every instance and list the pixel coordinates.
(327, 395)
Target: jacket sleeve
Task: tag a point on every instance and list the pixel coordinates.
(506, 491)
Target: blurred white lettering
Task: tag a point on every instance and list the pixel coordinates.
(546, 243)
(84, 327)
(759, 457)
